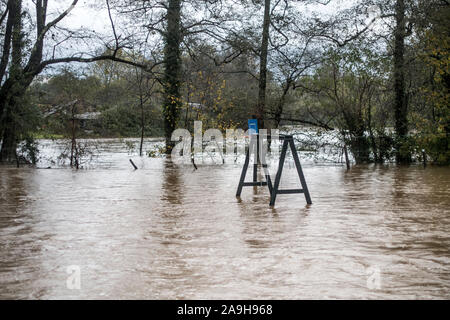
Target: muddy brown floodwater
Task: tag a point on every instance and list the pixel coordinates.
(167, 232)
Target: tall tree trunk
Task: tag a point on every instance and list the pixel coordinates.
(13, 89)
(401, 120)
(360, 148)
(9, 143)
(263, 65)
(12, 17)
(172, 64)
(13, 8)
(19, 78)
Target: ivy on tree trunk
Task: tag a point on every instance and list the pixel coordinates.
(172, 74)
(400, 104)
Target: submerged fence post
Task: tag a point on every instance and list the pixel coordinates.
(347, 160)
(424, 156)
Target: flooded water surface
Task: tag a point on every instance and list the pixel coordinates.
(169, 232)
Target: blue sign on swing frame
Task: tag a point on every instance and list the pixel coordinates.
(252, 126)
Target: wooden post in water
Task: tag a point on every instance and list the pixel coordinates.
(347, 160)
(424, 156)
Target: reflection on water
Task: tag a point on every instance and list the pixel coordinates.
(171, 232)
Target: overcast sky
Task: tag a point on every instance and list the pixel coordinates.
(97, 19)
(84, 15)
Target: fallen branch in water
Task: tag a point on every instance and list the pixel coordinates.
(193, 162)
(135, 167)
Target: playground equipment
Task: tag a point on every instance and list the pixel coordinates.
(288, 142)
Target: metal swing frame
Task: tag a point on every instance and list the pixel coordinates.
(288, 142)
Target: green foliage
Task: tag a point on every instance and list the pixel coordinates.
(27, 117)
(157, 152)
(435, 146)
(349, 88)
(123, 121)
(116, 98)
(431, 119)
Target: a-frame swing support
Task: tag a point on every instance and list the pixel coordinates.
(254, 146)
